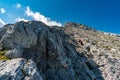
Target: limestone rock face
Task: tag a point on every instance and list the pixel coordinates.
(41, 52)
(21, 34)
(15, 53)
(19, 69)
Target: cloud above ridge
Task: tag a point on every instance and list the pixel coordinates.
(18, 5)
(39, 17)
(21, 19)
(2, 10)
(2, 22)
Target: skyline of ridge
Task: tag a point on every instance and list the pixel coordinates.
(102, 15)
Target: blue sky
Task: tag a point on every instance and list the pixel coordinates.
(103, 15)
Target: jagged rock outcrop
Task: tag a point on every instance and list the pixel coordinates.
(50, 48)
(19, 69)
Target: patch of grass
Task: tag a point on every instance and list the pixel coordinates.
(3, 52)
(2, 57)
(107, 47)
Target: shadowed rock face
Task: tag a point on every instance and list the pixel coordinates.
(50, 48)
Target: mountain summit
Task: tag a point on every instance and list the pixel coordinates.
(34, 51)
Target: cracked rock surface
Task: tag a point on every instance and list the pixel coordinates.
(19, 69)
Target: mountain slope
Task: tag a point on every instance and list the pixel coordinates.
(104, 48)
(72, 52)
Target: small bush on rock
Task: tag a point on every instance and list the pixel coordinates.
(2, 57)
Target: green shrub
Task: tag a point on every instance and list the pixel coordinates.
(2, 57)
(107, 47)
(3, 52)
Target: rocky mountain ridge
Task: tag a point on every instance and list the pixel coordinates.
(104, 49)
(72, 52)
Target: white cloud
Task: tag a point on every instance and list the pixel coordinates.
(18, 5)
(2, 22)
(39, 17)
(2, 10)
(21, 19)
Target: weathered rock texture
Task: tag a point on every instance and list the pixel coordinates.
(58, 53)
(19, 69)
(104, 48)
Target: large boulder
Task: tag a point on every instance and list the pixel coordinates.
(19, 69)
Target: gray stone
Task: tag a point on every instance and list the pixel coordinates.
(16, 53)
(19, 69)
